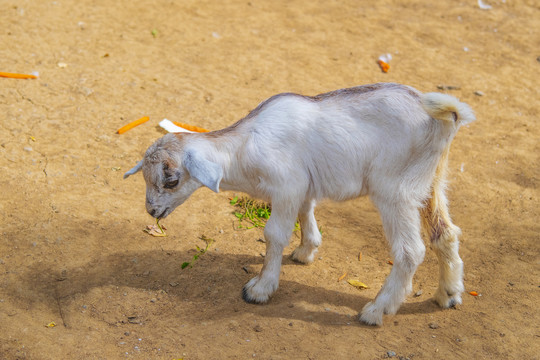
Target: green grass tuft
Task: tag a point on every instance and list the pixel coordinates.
(253, 212)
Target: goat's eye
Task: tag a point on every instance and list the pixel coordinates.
(170, 184)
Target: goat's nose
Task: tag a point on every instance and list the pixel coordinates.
(150, 207)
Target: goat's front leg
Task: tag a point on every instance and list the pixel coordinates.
(402, 228)
(277, 233)
(311, 236)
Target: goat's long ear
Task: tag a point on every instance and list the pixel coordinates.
(134, 170)
(206, 172)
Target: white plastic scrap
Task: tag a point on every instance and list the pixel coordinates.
(386, 58)
(483, 6)
(171, 127)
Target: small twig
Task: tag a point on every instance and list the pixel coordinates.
(60, 307)
(45, 167)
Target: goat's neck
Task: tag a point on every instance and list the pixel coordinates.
(226, 150)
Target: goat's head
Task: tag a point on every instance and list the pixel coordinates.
(173, 171)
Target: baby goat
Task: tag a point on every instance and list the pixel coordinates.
(388, 141)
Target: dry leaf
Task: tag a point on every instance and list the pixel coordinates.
(360, 256)
(154, 230)
(51, 324)
(357, 284)
(473, 293)
(342, 276)
(390, 262)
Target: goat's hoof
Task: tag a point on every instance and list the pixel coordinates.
(447, 299)
(247, 298)
(371, 314)
(303, 255)
(255, 292)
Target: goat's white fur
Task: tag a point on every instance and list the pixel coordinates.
(387, 141)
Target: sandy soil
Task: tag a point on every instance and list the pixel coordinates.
(72, 249)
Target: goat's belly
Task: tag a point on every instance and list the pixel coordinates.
(342, 189)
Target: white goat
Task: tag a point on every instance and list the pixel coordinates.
(387, 141)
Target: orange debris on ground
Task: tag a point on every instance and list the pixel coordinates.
(17, 76)
(132, 124)
(190, 127)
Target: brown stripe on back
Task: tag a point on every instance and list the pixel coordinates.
(352, 91)
(363, 89)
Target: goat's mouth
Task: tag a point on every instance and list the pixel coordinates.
(163, 214)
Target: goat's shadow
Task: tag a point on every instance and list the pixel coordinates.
(213, 284)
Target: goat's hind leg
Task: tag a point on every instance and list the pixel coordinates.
(444, 241)
(311, 236)
(402, 229)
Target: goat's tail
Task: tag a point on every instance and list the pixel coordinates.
(447, 108)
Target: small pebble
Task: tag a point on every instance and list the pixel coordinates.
(391, 353)
(433, 325)
(257, 328)
(153, 300)
(418, 293)
(448, 87)
(86, 91)
(28, 148)
(479, 93)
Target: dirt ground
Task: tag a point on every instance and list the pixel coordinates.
(72, 249)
